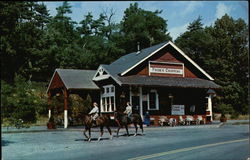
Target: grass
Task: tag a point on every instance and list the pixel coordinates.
(240, 123)
(41, 121)
(229, 117)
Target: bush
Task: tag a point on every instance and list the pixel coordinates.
(22, 100)
(235, 115)
(225, 108)
(79, 106)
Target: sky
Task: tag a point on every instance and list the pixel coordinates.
(177, 13)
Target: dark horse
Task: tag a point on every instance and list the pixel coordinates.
(101, 121)
(122, 120)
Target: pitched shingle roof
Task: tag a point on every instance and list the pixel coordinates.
(77, 79)
(125, 62)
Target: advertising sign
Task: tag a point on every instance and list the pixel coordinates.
(166, 70)
(178, 110)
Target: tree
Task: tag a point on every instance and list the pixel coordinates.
(229, 60)
(222, 51)
(195, 42)
(98, 40)
(142, 26)
(22, 29)
(63, 48)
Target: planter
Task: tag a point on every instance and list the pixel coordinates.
(51, 125)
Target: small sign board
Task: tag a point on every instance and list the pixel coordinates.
(178, 110)
(166, 70)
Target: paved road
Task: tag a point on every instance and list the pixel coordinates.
(229, 142)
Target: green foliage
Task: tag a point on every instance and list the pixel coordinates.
(23, 100)
(142, 26)
(222, 51)
(225, 108)
(79, 106)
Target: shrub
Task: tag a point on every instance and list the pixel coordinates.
(225, 108)
(79, 106)
(235, 115)
(19, 101)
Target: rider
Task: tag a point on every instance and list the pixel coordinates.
(128, 110)
(94, 112)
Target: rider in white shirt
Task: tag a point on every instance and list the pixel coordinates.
(128, 110)
(95, 111)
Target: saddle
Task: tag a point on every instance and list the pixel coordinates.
(129, 118)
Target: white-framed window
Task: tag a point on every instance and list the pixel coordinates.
(108, 99)
(153, 100)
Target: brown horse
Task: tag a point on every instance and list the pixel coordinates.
(101, 121)
(122, 120)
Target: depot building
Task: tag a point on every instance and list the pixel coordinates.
(160, 79)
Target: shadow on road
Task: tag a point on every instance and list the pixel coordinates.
(93, 139)
(125, 135)
(6, 142)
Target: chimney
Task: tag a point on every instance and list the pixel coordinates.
(138, 48)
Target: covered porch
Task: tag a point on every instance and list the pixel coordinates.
(71, 81)
(170, 96)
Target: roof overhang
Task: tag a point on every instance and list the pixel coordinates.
(173, 82)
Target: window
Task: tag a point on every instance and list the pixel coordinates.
(153, 100)
(108, 99)
(192, 108)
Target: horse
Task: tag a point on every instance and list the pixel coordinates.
(101, 121)
(122, 120)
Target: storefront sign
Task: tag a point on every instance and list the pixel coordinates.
(166, 70)
(178, 110)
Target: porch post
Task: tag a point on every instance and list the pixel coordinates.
(101, 106)
(65, 108)
(49, 104)
(209, 103)
(130, 95)
(141, 109)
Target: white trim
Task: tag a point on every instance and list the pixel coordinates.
(123, 73)
(178, 63)
(65, 118)
(179, 50)
(101, 76)
(209, 103)
(101, 102)
(117, 81)
(49, 113)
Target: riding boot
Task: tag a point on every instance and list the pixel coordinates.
(94, 123)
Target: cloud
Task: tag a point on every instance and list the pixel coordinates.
(176, 31)
(222, 9)
(189, 7)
